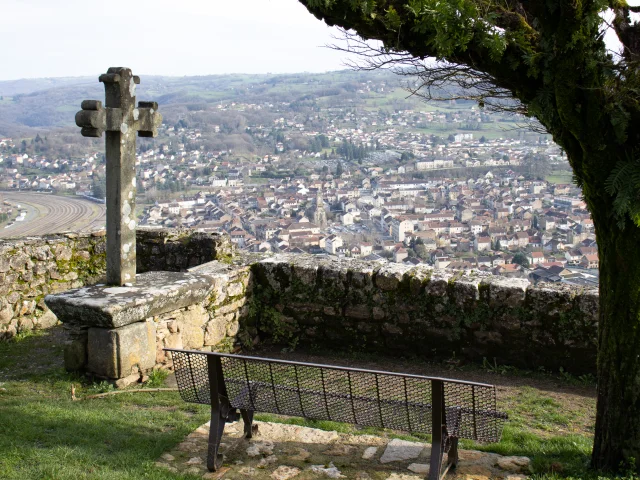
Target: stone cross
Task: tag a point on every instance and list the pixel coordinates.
(121, 120)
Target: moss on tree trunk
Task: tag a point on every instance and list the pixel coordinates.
(617, 438)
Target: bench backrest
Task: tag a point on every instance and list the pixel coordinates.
(362, 397)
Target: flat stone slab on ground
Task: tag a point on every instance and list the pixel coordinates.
(283, 472)
(514, 464)
(282, 452)
(421, 468)
(279, 432)
(403, 476)
(369, 453)
(399, 450)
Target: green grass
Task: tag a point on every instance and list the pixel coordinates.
(566, 456)
(157, 378)
(256, 181)
(46, 435)
(534, 419)
(560, 176)
(545, 413)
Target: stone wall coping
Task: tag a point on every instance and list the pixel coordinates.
(397, 272)
(154, 293)
(160, 231)
(15, 242)
(214, 268)
(146, 230)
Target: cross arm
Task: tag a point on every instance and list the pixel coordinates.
(113, 76)
(92, 118)
(148, 119)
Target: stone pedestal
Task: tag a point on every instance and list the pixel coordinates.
(75, 352)
(124, 351)
(119, 332)
(120, 338)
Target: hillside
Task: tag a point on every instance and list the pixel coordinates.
(28, 106)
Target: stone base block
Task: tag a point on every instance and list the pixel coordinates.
(75, 354)
(121, 352)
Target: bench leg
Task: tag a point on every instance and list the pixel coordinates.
(437, 450)
(215, 436)
(435, 462)
(247, 418)
(438, 429)
(453, 453)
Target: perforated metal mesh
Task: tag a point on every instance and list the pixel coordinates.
(362, 397)
(192, 376)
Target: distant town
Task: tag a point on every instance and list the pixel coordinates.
(360, 181)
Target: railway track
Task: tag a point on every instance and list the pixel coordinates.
(53, 214)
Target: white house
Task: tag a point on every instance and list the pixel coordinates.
(332, 243)
(347, 219)
(400, 227)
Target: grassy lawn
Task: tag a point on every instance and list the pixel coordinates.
(47, 435)
(560, 176)
(256, 181)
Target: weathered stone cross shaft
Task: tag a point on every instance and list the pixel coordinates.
(120, 119)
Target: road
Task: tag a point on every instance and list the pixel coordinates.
(48, 213)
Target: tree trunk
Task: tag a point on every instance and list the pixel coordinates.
(617, 434)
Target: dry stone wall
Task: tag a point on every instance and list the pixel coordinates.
(397, 309)
(211, 324)
(176, 250)
(33, 267)
(292, 300)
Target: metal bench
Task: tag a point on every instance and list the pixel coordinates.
(447, 409)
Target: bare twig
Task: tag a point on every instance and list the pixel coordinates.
(429, 79)
(116, 392)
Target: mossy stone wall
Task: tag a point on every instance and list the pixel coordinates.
(175, 250)
(33, 267)
(397, 309)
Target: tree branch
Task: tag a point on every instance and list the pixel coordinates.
(498, 42)
(628, 32)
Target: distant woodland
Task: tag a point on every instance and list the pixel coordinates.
(31, 106)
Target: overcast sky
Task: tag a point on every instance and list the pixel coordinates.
(55, 38)
(60, 38)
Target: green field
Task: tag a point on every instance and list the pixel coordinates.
(559, 177)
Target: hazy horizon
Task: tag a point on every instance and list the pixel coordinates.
(193, 37)
(148, 74)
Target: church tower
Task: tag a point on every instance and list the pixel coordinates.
(319, 214)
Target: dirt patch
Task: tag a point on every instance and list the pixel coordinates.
(281, 452)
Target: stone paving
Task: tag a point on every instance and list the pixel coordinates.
(281, 452)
